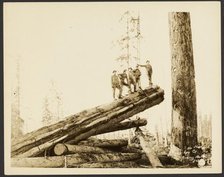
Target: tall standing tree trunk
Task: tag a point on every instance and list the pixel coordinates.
(184, 113)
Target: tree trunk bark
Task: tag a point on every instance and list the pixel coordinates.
(184, 113)
(104, 143)
(39, 162)
(125, 164)
(148, 149)
(102, 124)
(125, 125)
(87, 123)
(72, 160)
(130, 149)
(64, 149)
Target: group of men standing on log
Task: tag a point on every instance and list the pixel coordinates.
(130, 78)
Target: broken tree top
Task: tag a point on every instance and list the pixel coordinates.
(87, 123)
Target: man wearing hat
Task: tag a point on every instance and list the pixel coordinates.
(131, 79)
(116, 84)
(148, 68)
(137, 74)
(124, 79)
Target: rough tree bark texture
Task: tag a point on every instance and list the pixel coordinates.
(73, 160)
(104, 143)
(64, 149)
(86, 123)
(148, 149)
(125, 125)
(124, 164)
(184, 113)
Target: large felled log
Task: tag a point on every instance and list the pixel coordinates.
(121, 126)
(125, 125)
(104, 142)
(62, 149)
(148, 149)
(126, 149)
(115, 145)
(72, 160)
(104, 123)
(87, 123)
(130, 149)
(39, 162)
(184, 113)
(125, 164)
(108, 157)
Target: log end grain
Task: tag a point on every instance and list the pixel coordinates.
(60, 149)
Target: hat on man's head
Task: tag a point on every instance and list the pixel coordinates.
(114, 71)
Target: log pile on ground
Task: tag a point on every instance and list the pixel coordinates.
(69, 143)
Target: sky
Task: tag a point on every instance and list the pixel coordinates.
(72, 44)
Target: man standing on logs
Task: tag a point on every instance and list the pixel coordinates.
(124, 79)
(116, 84)
(131, 79)
(137, 73)
(148, 68)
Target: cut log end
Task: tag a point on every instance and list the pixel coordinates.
(60, 149)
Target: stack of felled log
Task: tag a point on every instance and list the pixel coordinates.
(71, 142)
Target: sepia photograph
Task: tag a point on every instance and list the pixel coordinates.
(112, 88)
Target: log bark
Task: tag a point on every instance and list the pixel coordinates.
(64, 149)
(125, 164)
(184, 113)
(148, 149)
(87, 123)
(125, 125)
(104, 143)
(108, 157)
(39, 162)
(72, 160)
(129, 149)
(104, 123)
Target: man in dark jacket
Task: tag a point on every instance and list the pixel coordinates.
(124, 79)
(116, 84)
(137, 74)
(131, 79)
(148, 68)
